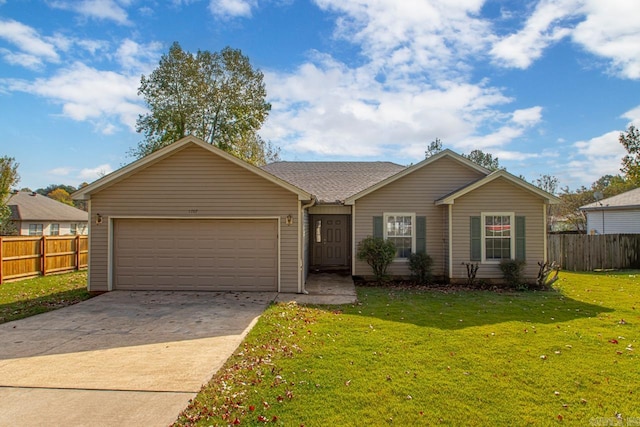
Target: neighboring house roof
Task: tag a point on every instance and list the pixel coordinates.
(333, 182)
(627, 200)
(85, 192)
(28, 206)
(450, 198)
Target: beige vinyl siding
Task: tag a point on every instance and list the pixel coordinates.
(497, 196)
(415, 192)
(192, 183)
(330, 210)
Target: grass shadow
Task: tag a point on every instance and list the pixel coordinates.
(23, 308)
(464, 309)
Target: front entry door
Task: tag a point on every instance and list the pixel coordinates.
(329, 241)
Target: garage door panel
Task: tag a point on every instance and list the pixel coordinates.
(195, 254)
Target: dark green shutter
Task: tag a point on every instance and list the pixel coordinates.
(520, 239)
(421, 234)
(377, 227)
(476, 239)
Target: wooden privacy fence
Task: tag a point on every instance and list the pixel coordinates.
(23, 256)
(583, 252)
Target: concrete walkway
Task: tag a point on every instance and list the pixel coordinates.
(325, 288)
(119, 359)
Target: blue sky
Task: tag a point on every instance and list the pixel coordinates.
(546, 86)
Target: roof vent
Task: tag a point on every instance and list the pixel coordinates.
(33, 193)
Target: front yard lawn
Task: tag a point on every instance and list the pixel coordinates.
(40, 294)
(410, 357)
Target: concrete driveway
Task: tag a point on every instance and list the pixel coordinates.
(119, 359)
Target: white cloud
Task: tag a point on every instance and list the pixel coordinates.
(23, 59)
(91, 174)
(108, 10)
(633, 116)
(608, 29)
(413, 36)
(528, 116)
(61, 171)
(232, 8)
(329, 109)
(510, 127)
(412, 87)
(611, 30)
(86, 93)
(596, 157)
(138, 58)
(545, 26)
(34, 49)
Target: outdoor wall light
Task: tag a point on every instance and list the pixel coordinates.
(289, 219)
(98, 219)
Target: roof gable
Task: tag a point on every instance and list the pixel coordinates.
(28, 206)
(428, 161)
(450, 198)
(147, 161)
(333, 182)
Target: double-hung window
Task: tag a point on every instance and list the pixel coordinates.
(54, 230)
(73, 229)
(498, 236)
(399, 228)
(35, 229)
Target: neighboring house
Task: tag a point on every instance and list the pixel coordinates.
(614, 215)
(36, 215)
(193, 217)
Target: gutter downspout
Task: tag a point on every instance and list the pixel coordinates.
(301, 281)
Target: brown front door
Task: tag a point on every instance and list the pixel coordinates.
(329, 241)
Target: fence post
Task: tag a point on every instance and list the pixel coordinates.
(77, 242)
(1, 260)
(43, 256)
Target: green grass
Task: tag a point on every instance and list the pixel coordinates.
(408, 357)
(34, 296)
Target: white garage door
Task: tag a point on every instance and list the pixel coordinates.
(212, 255)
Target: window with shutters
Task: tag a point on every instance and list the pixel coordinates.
(400, 229)
(498, 236)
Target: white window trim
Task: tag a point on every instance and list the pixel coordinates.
(483, 237)
(386, 215)
(34, 225)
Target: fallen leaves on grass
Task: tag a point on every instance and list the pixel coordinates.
(228, 400)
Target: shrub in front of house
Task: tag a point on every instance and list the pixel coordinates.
(378, 253)
(420, 267)
(512, 270)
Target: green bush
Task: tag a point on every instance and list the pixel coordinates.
(420, 266)
(378, 253)
(512, 273)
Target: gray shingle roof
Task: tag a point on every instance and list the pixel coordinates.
(333, 182)
(628, 199)
(25, 206)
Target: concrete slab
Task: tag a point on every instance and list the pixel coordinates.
(123, 358)
(325, 289)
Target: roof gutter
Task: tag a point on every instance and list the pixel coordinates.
(301, 280)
